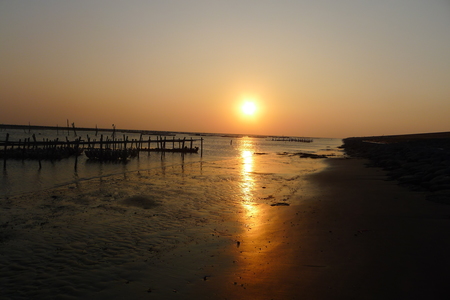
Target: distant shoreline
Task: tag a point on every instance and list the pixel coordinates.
(34, 127)
(144, 131)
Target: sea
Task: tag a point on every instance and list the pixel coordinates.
(25, 176)
(75, 228)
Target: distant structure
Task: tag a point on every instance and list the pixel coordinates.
(292, 139)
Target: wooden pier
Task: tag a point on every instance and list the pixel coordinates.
(292, 139)
(104, 149)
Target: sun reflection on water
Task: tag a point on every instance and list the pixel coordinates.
(248, 184)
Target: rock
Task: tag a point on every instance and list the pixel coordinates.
(409, 179)
(442, 196)
(421, 164)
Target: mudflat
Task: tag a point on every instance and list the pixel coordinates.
(345, 232)
(356, 236)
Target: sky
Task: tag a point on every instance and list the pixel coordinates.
(323, 68)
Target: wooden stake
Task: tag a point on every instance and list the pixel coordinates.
(77, 145)
(73, 125)
(6, 145)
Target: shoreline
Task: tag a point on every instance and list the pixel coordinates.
(357, 237)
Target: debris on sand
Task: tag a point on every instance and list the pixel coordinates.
(140, 201)
(280, 204)
(310, 155)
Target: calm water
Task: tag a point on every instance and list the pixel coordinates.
(26, 176)
(158, 221)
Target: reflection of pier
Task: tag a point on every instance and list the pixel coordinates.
(292, 139)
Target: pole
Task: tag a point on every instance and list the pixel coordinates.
(6, 145)
(73, 125)
(201, 147)
(77, 145)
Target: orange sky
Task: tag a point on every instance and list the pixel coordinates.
(314, 68)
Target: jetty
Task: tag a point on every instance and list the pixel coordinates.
(105, 149)
(292, 139)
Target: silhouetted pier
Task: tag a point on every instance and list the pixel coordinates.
(292, 139)
(104, 149)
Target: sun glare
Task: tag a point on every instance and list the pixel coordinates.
(249, 108)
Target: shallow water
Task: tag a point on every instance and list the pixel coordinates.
(22, 176)
(148, 225)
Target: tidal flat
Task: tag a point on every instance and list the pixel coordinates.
(156, 231)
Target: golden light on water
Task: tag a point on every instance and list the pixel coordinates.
(247, 177)
(247, 185)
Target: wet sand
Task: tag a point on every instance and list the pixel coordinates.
(347, 233)
(138, 234)
(358, 237)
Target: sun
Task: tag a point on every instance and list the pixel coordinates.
(249, 108)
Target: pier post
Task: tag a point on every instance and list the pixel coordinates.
(77, 145)
(74, 131)
(23, 148)
(201, 147)
(6, 145)
(149, 142)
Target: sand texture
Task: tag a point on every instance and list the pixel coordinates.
(138, 234)
(358, 236)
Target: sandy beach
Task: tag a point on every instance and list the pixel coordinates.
(347, 233)
(358, 237)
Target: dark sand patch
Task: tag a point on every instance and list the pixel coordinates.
(140, 201)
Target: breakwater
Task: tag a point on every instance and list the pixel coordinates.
(421, 162)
